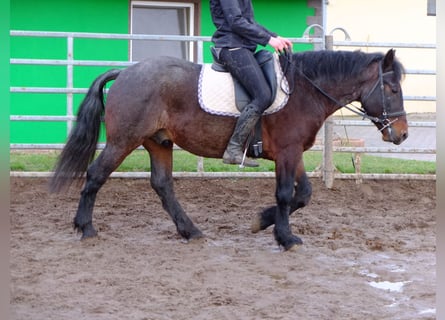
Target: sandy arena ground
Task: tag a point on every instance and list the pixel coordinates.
(368, 253)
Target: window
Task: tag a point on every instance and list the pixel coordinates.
(162, 18)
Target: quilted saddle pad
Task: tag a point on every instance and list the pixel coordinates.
(216, 91)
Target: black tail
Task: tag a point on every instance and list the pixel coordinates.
(81, 145)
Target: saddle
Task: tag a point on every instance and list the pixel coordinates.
(265, 61)
(219, 93)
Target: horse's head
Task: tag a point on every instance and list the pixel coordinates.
(382, 100)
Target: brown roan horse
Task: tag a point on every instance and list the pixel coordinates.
(154, 103)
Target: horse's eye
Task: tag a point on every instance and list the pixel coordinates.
(394, 88)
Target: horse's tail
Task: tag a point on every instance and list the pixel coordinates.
(81, 146)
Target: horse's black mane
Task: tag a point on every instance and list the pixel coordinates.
(338, 65)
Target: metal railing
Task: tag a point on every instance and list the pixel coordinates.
(328, 169)
(328, 173)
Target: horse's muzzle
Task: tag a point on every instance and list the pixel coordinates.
(398, 139)
(396, 132)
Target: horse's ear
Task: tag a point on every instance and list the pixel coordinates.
(388, 60)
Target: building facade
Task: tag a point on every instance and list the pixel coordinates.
(180, 17)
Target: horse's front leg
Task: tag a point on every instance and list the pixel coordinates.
(162, 182)
(302, 196)
(285, 176)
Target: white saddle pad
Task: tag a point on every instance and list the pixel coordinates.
(217, 94)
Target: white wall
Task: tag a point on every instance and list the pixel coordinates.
(392, 21)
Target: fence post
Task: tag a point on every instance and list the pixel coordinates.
(69, 81)
(200, 55)
(328, 149)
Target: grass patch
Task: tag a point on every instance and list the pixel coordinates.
(138, 161)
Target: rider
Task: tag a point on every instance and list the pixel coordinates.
(236, 38)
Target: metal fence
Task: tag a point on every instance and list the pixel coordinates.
(327, 171)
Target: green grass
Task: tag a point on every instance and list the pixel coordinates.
(138, 161)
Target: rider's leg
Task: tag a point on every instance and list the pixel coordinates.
(234, 151)
(242, 65)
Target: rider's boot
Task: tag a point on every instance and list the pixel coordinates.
(234, 151)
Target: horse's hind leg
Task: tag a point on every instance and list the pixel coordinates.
(98, 172)
(161, 180)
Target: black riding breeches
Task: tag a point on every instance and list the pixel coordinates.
(243, 66)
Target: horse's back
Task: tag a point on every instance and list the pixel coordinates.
(170, 68)
(154, 77)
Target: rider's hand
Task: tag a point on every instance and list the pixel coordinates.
(280, 44)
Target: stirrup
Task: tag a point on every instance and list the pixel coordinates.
(250, 162)
(243, 161)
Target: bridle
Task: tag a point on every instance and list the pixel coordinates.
(384, 119)
(386, 114)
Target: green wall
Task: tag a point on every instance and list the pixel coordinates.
(109, 16)
(287, 18)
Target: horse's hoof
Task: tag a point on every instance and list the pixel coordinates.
(88, 232)
(292, 244)
(196, 241)
(256, 223)
(197, 234)
(294, 247)
(88, 236)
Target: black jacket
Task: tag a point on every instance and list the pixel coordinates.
(235, 25)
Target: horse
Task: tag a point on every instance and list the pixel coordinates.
(154, 104)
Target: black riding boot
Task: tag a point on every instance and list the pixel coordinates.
(244, 126)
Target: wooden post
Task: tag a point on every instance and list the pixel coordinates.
(328, 149)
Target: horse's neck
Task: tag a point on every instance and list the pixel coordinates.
(340, 94)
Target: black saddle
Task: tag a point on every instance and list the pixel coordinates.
(265, 60)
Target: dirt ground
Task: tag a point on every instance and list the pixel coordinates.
(368, 253)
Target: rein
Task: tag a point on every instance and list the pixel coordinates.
(288, 63)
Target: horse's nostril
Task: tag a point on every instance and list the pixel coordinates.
(405, 135)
